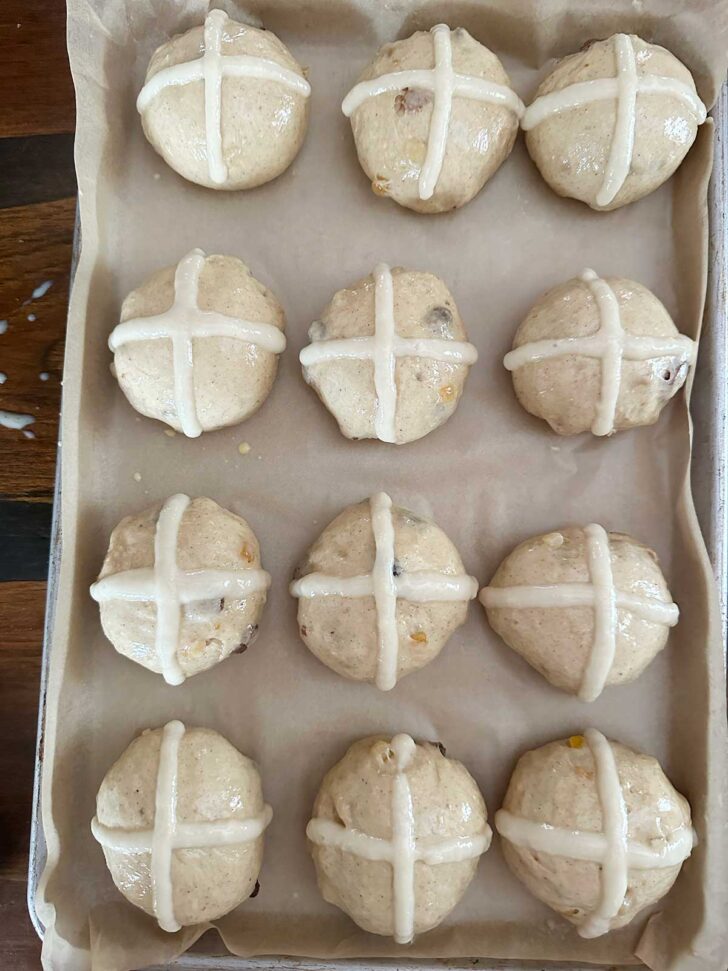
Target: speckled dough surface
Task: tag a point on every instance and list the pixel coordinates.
(209, 538)
(427, 391)
(558, 641)
(231, 378)
(566, 390)
(358, 793)
(262, 122)
(391, 130)
(556, 784)
(571, 148)
(342, 631)
(214, 782)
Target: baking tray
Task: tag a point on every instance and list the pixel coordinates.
(709, 408)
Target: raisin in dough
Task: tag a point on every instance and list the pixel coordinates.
(389, 356)
(396, 835)
(380, 592)
(598, 355)
(434, 116)
(594, 830)
(584, 607)
(181, 587)
(225, 104)
(613, 122)
(198, 344)
(180, 816)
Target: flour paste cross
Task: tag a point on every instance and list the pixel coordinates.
(168, 834)
(611, 848)
(403, 850)
(624, 88)
(170, 588)
(184, 323)
(611, 345)
(383, 349)
(211, 69)
(445, 84)
(601, 595)
(386, 588)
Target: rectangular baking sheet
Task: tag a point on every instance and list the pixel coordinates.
(301, 481)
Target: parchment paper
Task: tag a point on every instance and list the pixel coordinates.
(491, 477)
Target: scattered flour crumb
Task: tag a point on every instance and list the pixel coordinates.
(44, 375)
(3, 377)
(259, 457)
(170, 432)
(244, 448)
(32, 318)
(137, 477)
(3, 326)
(11, 419)
(28, 434)
(42, 290)
(157, 176)
(555, 448)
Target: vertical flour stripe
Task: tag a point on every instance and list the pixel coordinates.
(213, 71)
(385, 362)
(165, 570)
(385, 591)
(622, 145)
(165, 822)
(441, 111)
(612, 334)
(600, 661)
(186, 290)
(404, 847)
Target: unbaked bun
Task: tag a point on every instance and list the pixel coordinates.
(612, 123)
(433, 116)
(594, 830)
(180, 816)
(397, 832)
(225, 105)
(389, 356)
(380, 592)
(197, 344)
(586, 608)
(181, 587)
(599, 355)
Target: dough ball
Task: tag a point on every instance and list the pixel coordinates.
(189, 877)
(575, 384)
(423, 391)
(558, 785)
(229, 377)
(394, 130)
(559, 637)
(211, 559)
(381, 786)
(583, 151)
(251, 131)
(346, 630)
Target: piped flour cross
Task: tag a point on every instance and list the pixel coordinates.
(611, 345)
(624, 89)
(211, 69)
(184, 323)
(386, 588)
(403, 850)
(169, 834)
(170, 588)
(383, 349)
(611, 848)
(445, 84)
(601, 595)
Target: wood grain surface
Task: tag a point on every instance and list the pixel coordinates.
(37, 208)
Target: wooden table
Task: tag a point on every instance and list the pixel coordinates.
(37, 205)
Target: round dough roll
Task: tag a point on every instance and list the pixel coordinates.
(210, 538)
(567, 390)
(572, 147)
(556, 785)
(231, 377)
(214, 784)
(343, 631)
(392, 130)
(359, 795)
(427, 390)
(261, 121)
(559, 642)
